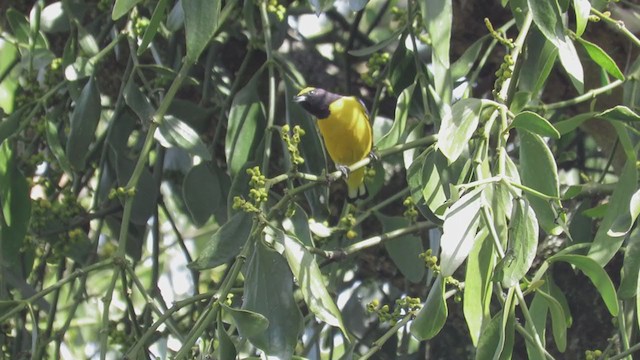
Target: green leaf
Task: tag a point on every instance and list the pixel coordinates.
(398, 131)
(538, 171)
(540, 59)
(10, 125)
(458, 126)
(152, 28)
(16, 207)
(174, 132)
(568, 125)
(202, 192)
(250, 324)
(461, 222)
(433, 314)
(596, 274)
(145, 199)
(496, 340)
(16, 203)
(274, 300)
(84, 121)
(607, 243)
(225, 243)
(298, 224)
(601, 58)
(461, 67)
(437, 17)
(54, 18)
(582, 9)
(379, 46)
(558, 321)
(620, 113)
(138, 102)
(539, 311)
(53, 141)
(246, 125)
(201, 22)
(320, 6)
(122, 7)
(623, 224)
(630, 267)
(523, 244)
(546, 15)
(309, 278)
(477, 287)
(403, 250)
(434, 191)
(226, 350)
(535, 123)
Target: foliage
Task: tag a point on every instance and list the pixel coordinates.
(163, 196)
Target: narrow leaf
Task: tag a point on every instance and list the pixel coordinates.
(459, 231)
(535, 123)
(174, 132)
(154, 25)
(225, 243)
(461, 67)
(226, 350)
(202, 192)
(620, 113)
(433, 314)
(16, 207)
(246, 126)
(250, 324)
(582, 9)
(138, 102)
(434, 191)
(10, 125)
(53, 141)
(558, 321)
(622, 225)
(122, 7)
(403, 250)
(596, 274)
(458, 125)
(607, 243)
(523, 244)
(379, 46)
(601, 58)
(490, 338)
(398, 130)
(630, 267)
(84, 121)
(538, 171)
(438, 18)
(570, 124)
(546, 15)
(201, 21)
(310, 280)
(477, 287)
(274, 300)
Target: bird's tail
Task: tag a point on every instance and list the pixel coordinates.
(355, 185)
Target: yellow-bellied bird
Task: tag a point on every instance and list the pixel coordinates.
(345, 128)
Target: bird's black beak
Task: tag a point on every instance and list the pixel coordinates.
(300, 98)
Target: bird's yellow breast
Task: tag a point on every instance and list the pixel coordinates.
(346, 131)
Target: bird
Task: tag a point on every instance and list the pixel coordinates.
(344, 125)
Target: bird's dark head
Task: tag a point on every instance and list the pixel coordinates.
(316, 101)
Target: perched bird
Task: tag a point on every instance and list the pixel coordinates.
(345, 128)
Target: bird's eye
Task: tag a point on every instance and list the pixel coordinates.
(312, 92)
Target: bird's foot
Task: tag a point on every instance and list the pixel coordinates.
(344, 170)
(373, 155)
